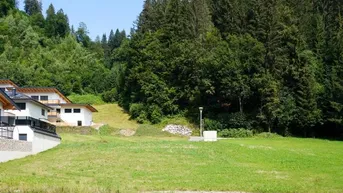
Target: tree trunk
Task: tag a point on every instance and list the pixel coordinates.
(240, 105)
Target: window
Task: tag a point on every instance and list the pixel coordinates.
(44, 98)
(35, 97)
(79, 123)
(23, 137)
(67, 110)
(43, 112)
(77, 110)
(58, 111)
(22, 106)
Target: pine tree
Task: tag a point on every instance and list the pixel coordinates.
(33, 7)
(62, 24)
(50, 28)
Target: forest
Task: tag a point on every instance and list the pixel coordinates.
(262, 65)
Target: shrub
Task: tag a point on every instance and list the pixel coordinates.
(238, 120)
(136, 109)
(236, 133)
(155, 114)
(110, 96)
(213, 125)
(142, 118)
(86, 99)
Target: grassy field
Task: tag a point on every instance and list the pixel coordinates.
(98, 163)
(91, 161)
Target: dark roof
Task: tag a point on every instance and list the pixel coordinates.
(17, 96)
(2, 93)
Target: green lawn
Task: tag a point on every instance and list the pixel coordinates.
(114, 116)
(93, 163)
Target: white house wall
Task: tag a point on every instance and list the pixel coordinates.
(72, 118)
(23, 130)
(32, 110)
(51, 96)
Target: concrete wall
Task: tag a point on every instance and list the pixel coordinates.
(51, 96)
(23, 130)
(32, 110)
(43, 142)
(72, 118)
(14, 145)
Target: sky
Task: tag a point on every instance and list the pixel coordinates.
(100, 16)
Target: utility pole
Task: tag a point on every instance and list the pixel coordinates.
(201, 121)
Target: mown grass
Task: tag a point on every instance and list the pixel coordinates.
(106, 163)
(114, 116)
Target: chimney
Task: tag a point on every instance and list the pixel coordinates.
(14, 92)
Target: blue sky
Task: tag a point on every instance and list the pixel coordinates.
(100, 16)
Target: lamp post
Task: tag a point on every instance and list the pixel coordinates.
(201, 122)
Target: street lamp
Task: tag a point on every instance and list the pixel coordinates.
(201, 122)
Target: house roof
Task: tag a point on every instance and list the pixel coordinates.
(20, 97)
(88, 106)
(43, 90)
(7, 102)
(8, 81)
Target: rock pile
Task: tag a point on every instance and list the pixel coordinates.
(178, 130)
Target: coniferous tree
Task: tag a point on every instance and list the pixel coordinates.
(50, 28)
(33, 7)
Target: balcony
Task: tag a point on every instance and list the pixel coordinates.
(7, 127)
(51, 102)
(54, 114)
(11, 122)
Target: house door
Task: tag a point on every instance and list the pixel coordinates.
(79, 123)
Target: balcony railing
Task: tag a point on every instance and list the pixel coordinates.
(28, 121)
(47, 102)
(6, 132)
(54, 114)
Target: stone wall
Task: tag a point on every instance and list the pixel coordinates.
(14, 145)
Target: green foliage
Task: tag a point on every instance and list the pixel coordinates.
(86, 99)
(236, 133)
(110, 96)
(136, 109)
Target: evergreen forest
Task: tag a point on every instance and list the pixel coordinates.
(262, 65)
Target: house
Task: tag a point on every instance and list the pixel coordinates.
(63, 112)
(24, 128)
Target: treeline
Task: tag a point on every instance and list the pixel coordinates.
(270, 65)
(45, 51)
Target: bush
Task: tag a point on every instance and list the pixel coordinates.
(136, 109)
(155, 114)
(110, 96)
(238, 120)
(236, 133)
(86, 99)
(213, 125)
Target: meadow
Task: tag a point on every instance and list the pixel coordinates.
(105, 163)
(151, 160)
